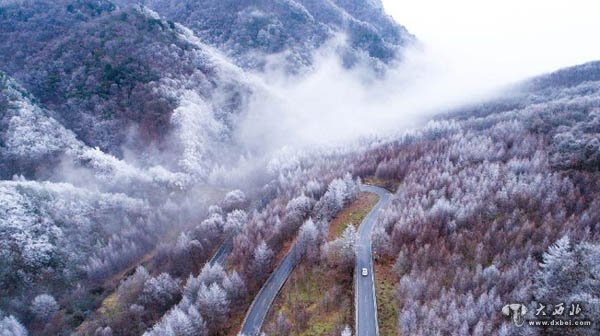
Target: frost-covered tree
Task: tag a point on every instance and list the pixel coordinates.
(180, 322)
(106, 331)
(307, 242)
(215, 210)
(339, 192)
(314, 189)
(213, 305)
(558, 259)
(236, 220)
(160, 292)
(44, 223)
(571, 274)
(261, 261)
(10, 326)
(347, 243)
(210, 227)
(381, 241)
(298, 207)
(186, 253)
(235, 288)
(342, 251)
(191, 288)
(212, 274)
(235, 199)
(131, 288)
(296, 211)
(44, 306)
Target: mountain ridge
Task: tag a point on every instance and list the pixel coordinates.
(249, 30)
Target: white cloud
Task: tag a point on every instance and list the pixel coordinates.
(333, 105)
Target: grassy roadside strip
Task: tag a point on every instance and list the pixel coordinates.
(312, 301)
(352, 214)
(387, 311)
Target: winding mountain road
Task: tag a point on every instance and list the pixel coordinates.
(364, 286)
(366, 309)
(262, 302)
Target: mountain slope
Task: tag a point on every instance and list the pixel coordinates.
(563, 106)
(483, 197)
(112, 119)
(111, 75)
(250, 30)
(129, 82)
(29, 136)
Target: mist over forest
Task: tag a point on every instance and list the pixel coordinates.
(159, 159)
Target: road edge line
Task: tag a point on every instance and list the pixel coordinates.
(261, 290)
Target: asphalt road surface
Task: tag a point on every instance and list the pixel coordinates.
(366, 309)
(265, 297)
(222, 252)
(364, 288)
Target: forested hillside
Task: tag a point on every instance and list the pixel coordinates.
(250, 30)
(119, 77)
(482, 200)
(130, 204)
(113, 119)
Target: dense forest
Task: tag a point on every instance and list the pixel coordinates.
(130, 206)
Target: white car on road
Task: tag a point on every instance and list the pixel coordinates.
(364, 271)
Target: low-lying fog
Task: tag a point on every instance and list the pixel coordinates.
(332, 105)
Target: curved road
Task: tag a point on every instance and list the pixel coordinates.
(222, 252)
(364, 286)
(262, 302)
(366, 311)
